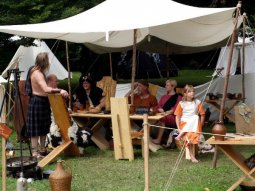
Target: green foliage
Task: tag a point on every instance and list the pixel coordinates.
(193, 77)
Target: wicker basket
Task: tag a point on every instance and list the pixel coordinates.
(60, 179)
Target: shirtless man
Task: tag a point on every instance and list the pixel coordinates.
(39, 112)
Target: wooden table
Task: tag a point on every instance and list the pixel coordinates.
(227, 147)
(232, 103)
(97, 137)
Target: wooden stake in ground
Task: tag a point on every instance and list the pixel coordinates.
(146, 152)
(3, 119)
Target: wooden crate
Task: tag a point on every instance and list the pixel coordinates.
(241, 125)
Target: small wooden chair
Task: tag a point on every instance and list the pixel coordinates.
(108, 85)
(179, 91)
(123, 138)
(153, 89)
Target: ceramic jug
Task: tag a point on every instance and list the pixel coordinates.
(60, 179)
(220, 130)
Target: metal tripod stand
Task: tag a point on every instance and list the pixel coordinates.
(18, 109)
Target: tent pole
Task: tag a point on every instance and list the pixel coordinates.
(3, 120)
(69, 76)
(243, 59)
(110, 59)
(9, 103)
(167, 61)
(222, 105)
(133, 66)
(229, 64)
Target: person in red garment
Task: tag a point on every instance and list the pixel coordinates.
(167, 105)
(142, 97)
(143, 102)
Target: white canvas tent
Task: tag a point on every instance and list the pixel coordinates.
(25, 57)
(109, 26)
(249, 58)
(2, 80)
(235, 80)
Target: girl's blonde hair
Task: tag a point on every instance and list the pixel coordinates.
(187, 88)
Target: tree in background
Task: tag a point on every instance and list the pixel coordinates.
(38, 11)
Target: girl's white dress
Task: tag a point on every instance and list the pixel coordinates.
(190, 123)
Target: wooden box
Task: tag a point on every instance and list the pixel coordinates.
(241, 125)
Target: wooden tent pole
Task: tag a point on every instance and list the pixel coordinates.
(3, 120)
(69, 76)
(110, 59)
(222, 106)
(167, 60)
(9, 102)
(133, 66)
(243, 58)
(3, 164)
(146, 152)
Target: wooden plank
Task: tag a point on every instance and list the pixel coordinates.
(80, 115)
(62, 119)
(99, 140)
(241, 179)
(88, 115)
(123, 148)
(60, 114)
(150, 117)
(53, 154)
(235, 157)
(236, 140)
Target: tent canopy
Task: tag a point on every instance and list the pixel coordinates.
(25, 57)
(237, 58)
(109, 26)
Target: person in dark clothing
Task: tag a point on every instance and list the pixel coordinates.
(88, 96)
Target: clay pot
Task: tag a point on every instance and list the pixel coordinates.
(220, 129)
(60, 179)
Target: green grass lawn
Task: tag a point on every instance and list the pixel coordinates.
(98, 170)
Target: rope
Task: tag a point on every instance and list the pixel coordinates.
(213, 134)
(177, 163)
(213, 76)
